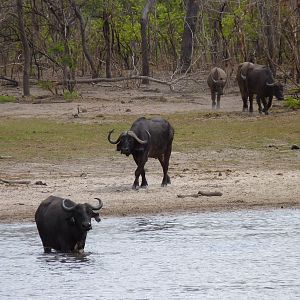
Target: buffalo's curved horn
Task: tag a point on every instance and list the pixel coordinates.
(212, 78)
(243, 76)
(131, 133)
(149, 136)
(270, 84)
(98, 206)
(67, 208)
(113, 142)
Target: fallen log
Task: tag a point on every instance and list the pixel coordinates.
(11, 81)
(116, 79)
(201, 193)
(14, 181)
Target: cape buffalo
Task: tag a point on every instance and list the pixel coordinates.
(63, 224)
(216, 81)
(147, 138)
(257, 79)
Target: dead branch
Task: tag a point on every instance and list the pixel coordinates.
(11, 81)
(201, 193)
(14, 181)
(116, 79)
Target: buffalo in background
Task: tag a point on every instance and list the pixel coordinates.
(257, 79)
(63, 224)
(147, 138)
(216, 81)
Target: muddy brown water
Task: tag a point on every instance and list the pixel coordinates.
(219, 255)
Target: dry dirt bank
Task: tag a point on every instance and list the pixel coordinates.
(250, 180)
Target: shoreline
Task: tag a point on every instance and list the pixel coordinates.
(13, 219)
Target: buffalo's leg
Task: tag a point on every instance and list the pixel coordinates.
(164, 161)
(269, 102)
(245, 102)
(260, 109)
(213, 99)
(144, 183)
(47, 250)
(218, 101)
(251, 103)
(264, 102)
(140, 162)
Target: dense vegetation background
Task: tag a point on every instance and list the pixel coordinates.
(63, 40)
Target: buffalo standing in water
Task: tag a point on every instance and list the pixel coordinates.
(257, 79)
(216, 81)
(147, 138)
(63, 224)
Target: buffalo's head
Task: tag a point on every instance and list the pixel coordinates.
(218, 85)
(81, 214)
(126, 142)
(278, 91)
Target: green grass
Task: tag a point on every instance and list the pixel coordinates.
(5, 98)
(32, 139)
(195, 132)
(292, 102)
(70, 96)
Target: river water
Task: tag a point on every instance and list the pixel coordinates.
(220, 255)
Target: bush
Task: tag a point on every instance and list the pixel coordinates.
(6, 98)
(70, 96)
(291, 102)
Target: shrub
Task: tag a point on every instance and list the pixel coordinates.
(70, 96)
(6, 98)
(291, 102)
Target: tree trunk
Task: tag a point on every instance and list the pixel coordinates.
(83, 39)
(220, 49)
(106, 33)
(188, 35)
(26, 49)
(266, 15)
(145, 52)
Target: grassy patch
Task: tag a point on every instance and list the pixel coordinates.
(27, 139)
(5, 98)
(70, 96)
(31, 139)
(292, 102)
(195, 132)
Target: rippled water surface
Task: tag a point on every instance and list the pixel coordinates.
(224, 255)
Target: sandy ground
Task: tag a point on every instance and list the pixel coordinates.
(246, 179)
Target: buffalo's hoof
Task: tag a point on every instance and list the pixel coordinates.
(163, 185)
(135, 187)
(168, 180)
(144, 186)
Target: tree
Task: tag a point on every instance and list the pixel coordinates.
(188, 36)
(144, 43)
(107, 39)
(84, 40)
(25, 47)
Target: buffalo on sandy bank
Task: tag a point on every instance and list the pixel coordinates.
(147, 138)
(257, 79)
(216, 81)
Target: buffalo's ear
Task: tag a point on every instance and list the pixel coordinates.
(96, 217)
(119, 146)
